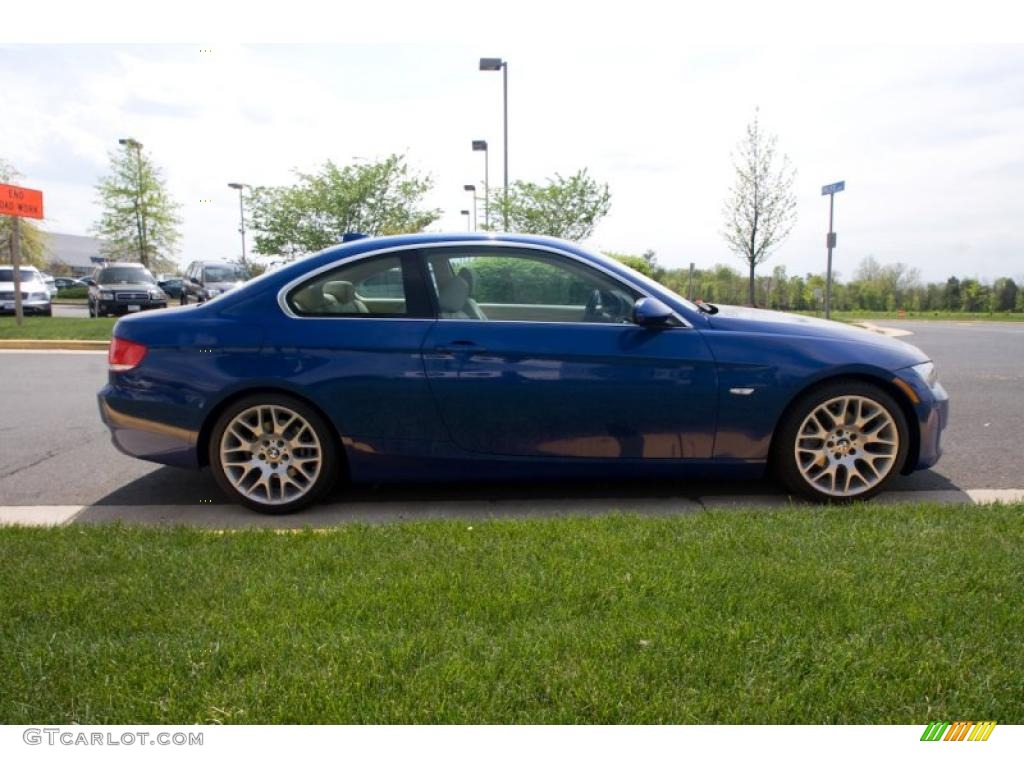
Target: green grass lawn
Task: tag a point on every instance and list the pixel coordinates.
(857, 615)
(76, 328)
(1000, 317)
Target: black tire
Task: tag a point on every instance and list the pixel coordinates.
(184, 299)
(48, 312)
(784, 453)
(325, 435)
(92, 310)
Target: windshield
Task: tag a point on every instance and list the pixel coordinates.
(222, 274)
(125, 275)
(7, 274)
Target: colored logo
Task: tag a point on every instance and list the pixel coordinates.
(961, 730)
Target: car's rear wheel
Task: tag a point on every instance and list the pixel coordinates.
(842, 442)
(184, 299)
(273, 453)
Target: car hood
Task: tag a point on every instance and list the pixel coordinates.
(746, 319)
(134, 287)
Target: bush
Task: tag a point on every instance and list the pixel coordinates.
(81, 292)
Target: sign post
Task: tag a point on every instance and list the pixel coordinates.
(19, 202)
(830, 241)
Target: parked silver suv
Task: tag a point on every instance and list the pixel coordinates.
(35, 296)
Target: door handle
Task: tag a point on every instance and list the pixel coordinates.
(459, 346)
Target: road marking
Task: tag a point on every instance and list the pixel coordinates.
(229, 516)
(883, 330)
(53, 352)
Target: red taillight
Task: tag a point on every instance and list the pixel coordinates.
(125, 355)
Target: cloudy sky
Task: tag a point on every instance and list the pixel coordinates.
(930, 140)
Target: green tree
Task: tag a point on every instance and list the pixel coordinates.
(1004, 294)
(376, 198)
(33, 241)
(760, 209)
(140, 219)
(641, 264)
(566, 208)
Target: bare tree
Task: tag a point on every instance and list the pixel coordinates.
(760, 210)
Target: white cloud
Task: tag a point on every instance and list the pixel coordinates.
(928, 139)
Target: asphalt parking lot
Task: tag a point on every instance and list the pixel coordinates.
(55, 452)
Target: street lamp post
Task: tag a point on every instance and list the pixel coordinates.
(465, 212)
(241, 218)
(830, 241)
(140, 218)
(471, 188)
(479, 145)
(493, 65)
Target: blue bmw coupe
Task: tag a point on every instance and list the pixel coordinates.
(478, 356)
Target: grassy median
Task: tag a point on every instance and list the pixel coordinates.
(956, 317)
(861, 615)
(73, 328)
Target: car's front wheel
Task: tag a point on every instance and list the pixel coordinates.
(842, 442)
(273, 453)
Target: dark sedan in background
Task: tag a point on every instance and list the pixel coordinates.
(471, 356)
(205, 280)
(120, 289)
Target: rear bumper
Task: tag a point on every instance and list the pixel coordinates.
(135, 432)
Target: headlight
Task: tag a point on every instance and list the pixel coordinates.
(927, 372)
(211, 292)
(38, 296)
(106, 295)
(156, 293)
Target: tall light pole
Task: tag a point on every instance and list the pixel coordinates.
(493, 65)
(479, 145)
(471, 188)
(140, 217)
(465, 212)
(241, 218)
(830, 241)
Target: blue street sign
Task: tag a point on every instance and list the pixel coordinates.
(831, 189)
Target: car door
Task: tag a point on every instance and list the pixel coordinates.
(353, 340)
(534, 354)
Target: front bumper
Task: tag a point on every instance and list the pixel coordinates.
(41, 307)
(124, 307)
(932, 412)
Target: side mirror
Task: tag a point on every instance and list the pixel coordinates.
(651, 313)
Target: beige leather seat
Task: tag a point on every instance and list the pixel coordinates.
(312, 300)
(344, 294)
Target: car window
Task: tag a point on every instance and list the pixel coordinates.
(7, 274)
(221, 274)
(527, 286)
(365, 288)
(111, 275)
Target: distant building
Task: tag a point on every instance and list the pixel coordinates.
(81, 254)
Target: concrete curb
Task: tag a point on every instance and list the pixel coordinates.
(53, 344)
(222, 517)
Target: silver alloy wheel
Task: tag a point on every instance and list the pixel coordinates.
(847, 445)
(271, 454)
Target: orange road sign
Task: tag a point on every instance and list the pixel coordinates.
(19, 201)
